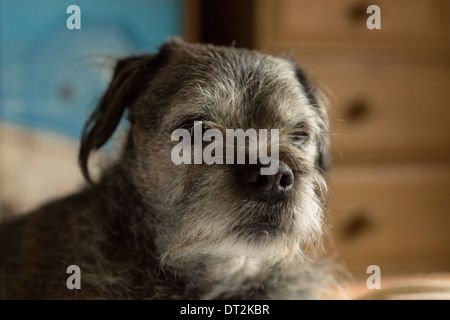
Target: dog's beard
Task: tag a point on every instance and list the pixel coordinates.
(214, 220)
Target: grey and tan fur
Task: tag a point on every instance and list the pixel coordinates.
(150, 229)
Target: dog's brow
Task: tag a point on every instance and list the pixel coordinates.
(188, 121)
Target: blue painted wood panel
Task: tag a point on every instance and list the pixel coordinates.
(52, 77)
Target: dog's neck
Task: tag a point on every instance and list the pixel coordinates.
(224, 278)
(238, 277)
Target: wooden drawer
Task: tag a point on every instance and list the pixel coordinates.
(345, 21)
(386, 110)
(393, 216)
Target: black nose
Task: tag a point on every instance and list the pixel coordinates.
(268, 187)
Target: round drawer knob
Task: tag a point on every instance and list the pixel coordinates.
(357, 110)
(356, 225)
(66, 92)
(357, 12)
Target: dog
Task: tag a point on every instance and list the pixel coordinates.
(152, 229)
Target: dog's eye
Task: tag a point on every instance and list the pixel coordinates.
(193, 123)
(187, 124)
(299, 137)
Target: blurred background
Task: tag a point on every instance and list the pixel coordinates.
(388, 89)
(52, 78)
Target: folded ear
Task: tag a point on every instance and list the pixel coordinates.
(318, 102)
(131, 76)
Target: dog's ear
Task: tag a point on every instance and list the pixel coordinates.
(318, 102)
(130, 77)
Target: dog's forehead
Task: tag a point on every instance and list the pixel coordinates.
(240, 88)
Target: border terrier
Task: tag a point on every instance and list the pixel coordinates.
(153, 229)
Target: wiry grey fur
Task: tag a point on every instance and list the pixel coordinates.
(151, 229)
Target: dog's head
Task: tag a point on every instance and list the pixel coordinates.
(219, 209)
